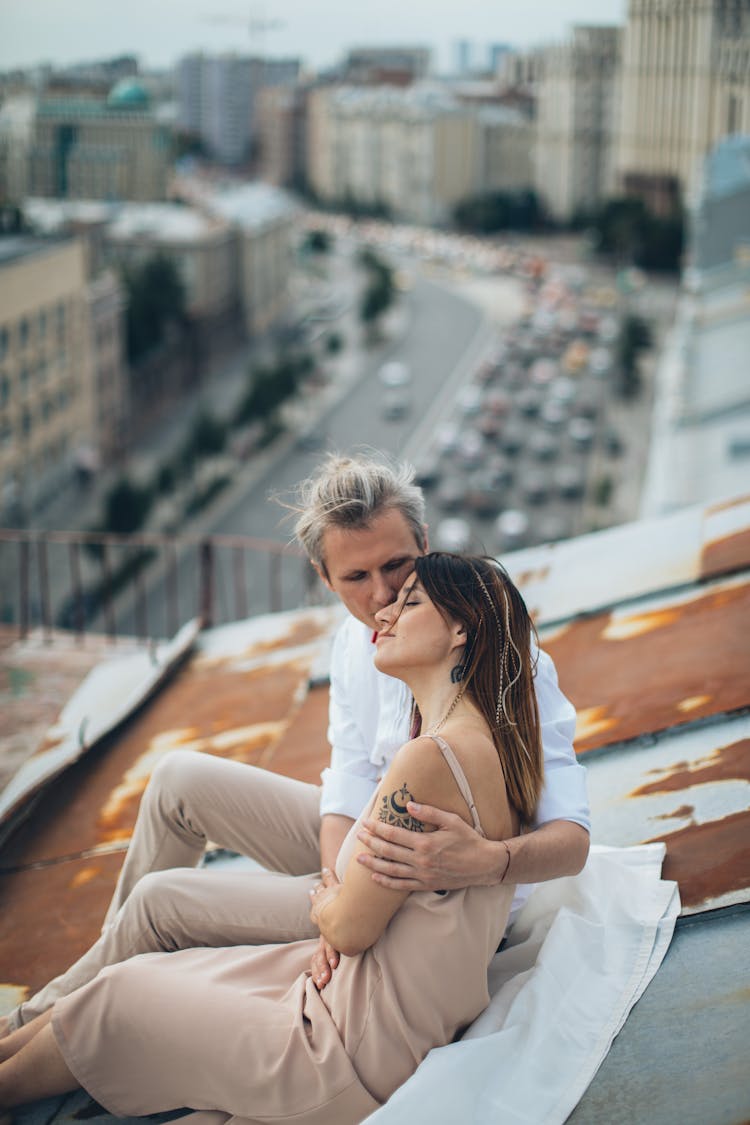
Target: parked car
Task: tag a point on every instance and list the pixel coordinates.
(581, 432)
(543, 446)
(394, 374)
(453, 535)
(450, 495)
(396, 403)
(569, 481)
(511, 529)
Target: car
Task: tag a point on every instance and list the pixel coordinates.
(569, 481)
(482, 494)
(396, 404)
(394, 374)
(543, 446)
(529, 402)
(534, 486)
(511, 528)
(553, 414)
(470, 449)
(581, 432)
(453, 535)
(428, 471)
(512, 441)
(450, 495)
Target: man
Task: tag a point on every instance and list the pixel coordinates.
(362, 524)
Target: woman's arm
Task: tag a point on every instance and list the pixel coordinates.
(352, 915)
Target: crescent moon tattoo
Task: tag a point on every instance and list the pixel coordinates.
(393, 810)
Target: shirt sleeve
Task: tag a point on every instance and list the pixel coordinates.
(564, 794)
(351, 778)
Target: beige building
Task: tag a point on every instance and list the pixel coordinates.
(575, 115)
(263, 219)
(506, 152)
(415, 151)
(47, 393)
(92, 148)
(685, 86)
(106, 317)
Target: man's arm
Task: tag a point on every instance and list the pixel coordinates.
(457, 856)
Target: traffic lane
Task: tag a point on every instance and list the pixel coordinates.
(441, 328)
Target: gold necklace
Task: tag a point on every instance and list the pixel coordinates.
(441, 723)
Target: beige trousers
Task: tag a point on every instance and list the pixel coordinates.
(161, 903)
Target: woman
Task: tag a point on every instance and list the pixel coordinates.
(245, 1032)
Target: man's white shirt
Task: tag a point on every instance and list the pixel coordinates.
(369, 721)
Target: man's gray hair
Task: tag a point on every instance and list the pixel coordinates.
(351, 492)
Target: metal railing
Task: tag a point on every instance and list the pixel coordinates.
(145, 585)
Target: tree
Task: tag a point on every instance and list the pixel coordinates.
(498, 210)
(155, 298)
(126, 506)
(627, 230)
(635, 337)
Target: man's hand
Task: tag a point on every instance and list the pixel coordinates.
(456, 856)
(453, 856)
(325, 958)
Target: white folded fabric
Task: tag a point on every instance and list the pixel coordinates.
(580, 954)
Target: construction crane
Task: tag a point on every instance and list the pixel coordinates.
(257, 25)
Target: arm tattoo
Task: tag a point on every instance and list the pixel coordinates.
(393, 810)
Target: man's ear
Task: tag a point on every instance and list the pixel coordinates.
(425, 528)
(322, 575)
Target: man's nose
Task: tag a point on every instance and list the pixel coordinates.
(383, 594)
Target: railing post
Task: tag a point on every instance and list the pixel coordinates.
(41, 547)
(240, 593)
(206, 583)
(23, 591)
(275, 580)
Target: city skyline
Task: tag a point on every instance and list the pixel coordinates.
(44, 31)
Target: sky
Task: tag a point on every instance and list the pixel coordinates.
(160, 31)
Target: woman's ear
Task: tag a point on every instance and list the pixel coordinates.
(458, 636)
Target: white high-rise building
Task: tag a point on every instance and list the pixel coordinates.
(217, 96)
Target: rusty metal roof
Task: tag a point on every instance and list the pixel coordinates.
(649, 626)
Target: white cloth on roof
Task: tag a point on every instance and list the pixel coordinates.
(369, 721)
(579, 956)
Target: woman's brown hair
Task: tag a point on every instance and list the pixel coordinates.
(497, 666)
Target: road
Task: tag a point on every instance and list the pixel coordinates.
(445, 337)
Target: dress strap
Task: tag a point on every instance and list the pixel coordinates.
(460, 778)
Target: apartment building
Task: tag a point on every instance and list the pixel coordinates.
(47, 390)
(414, 151)
(685, 86)
(263, 218)
(282, 132)
(94, 148)
(576, 100)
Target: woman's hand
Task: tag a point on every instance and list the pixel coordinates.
(325, 958)
(324, 961)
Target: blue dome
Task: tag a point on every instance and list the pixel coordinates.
(128, 93)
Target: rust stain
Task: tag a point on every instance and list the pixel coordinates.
(38, 944)
(85, 875)
(726, 763)
(637, 625)
(732, 552)
(592, 721)
(198, 699)
(303, 632)
(728, 505)
(527, 576)
(694, 702)
(679, 814)
(709, 860)
(635, 684)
